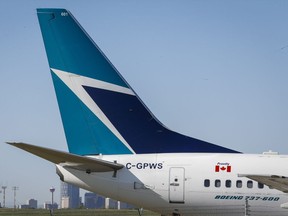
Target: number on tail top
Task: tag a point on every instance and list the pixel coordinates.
(64, 14)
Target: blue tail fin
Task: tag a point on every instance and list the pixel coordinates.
(100, 112)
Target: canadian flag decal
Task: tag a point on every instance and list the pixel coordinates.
(223, 167)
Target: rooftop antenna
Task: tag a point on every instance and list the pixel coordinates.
(14, 189)
(4, 188)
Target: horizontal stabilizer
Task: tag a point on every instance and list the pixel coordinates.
(69, 160)
(273, 181)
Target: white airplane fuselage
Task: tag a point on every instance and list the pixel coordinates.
(137, 159)
(189, 184)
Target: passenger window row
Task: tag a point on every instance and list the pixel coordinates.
(228, 183)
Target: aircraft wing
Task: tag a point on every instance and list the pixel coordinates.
(69, 160)
(273, 181)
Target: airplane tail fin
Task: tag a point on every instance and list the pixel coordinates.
(101, 114)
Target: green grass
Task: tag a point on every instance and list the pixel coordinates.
(73, 212)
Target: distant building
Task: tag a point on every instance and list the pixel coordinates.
(69, 195)
(32, 203)
(123, 205)
(24, 206)
(113, 204)
(64, 202)
(47, 205)
(93, 201)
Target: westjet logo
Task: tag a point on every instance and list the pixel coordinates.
(223, 167)
(77, 83)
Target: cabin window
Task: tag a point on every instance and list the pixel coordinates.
(228, 183)
(260, 185)
(249, 184)
(207, 183)
(239, 184)
(217, 183)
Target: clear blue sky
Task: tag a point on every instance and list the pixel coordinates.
(214, 70)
